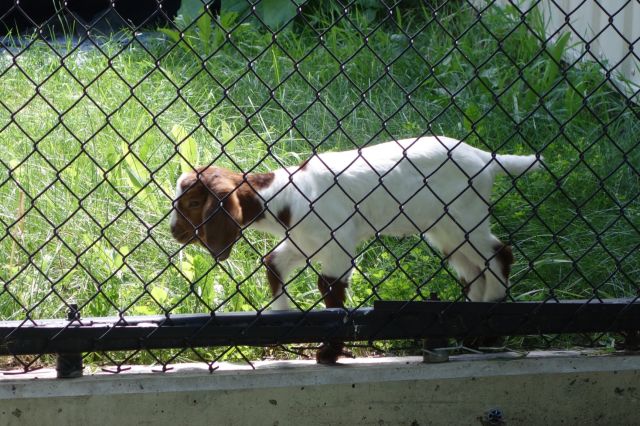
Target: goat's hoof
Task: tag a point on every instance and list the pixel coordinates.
(329, 353)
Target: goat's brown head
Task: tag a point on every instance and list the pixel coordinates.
(206, 210)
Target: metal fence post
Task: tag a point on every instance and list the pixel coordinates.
(69, 365)
(434, 348)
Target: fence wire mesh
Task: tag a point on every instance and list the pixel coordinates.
(102, 110)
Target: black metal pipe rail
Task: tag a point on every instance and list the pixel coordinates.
(386, 320)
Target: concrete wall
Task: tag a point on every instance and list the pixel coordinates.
(567, 389)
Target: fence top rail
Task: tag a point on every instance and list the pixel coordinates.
(387, 320)
(321, 314)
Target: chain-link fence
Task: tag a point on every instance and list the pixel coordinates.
(190, 181)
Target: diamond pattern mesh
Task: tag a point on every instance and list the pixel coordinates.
(100, 114)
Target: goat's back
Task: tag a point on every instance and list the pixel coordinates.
(397, 188)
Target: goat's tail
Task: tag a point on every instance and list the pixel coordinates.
(515, 165)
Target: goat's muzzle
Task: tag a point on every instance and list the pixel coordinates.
(182, 236)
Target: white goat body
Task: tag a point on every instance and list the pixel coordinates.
(437, 187)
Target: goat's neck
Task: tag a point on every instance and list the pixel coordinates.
(248, 188)
(268, 200)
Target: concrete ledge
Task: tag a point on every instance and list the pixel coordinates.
(541, 388)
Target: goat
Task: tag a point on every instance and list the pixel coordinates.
(436, 187)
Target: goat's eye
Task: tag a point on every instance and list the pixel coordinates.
(193, 204)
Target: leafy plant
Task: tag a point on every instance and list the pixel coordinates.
(203, 35)
(188, 148)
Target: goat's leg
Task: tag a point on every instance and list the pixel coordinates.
(279, 264)
(470, 276)
(333, 292)
(482, 264)
(494, 259)
(448, 239)
(499, 271)
(332, 283)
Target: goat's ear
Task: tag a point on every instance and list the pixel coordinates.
(232, 207)
(221, 223)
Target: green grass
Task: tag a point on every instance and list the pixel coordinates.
(90, 142)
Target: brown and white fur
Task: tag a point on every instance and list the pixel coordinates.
(436, 187)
